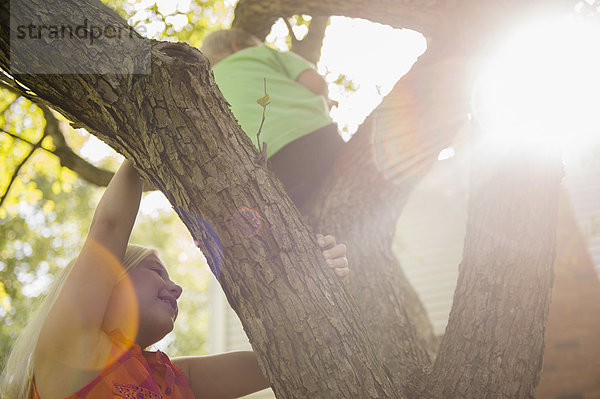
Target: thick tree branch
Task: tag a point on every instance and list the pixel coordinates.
(466, 26)
(257, 16)
(68, 157)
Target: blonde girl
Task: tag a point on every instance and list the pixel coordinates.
(87, 338)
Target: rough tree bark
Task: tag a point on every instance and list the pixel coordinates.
(309, 336)
(504, 286)
(177, 128)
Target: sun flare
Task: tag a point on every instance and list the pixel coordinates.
(543, 85)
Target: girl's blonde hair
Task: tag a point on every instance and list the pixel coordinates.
(219, 44)
(16, 380)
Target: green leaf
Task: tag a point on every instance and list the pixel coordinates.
(264, 100)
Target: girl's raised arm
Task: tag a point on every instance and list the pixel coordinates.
(71, 345)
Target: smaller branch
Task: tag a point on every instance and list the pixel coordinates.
(68, 158)
(14, 136)
(264, 101)
(18, 168)
(295, 40)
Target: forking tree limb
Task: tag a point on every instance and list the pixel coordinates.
(177, 128)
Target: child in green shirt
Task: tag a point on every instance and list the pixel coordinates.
(302, 140)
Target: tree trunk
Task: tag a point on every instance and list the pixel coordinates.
(494, 340)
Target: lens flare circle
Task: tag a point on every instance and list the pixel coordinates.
(246, 222)
(208, 241)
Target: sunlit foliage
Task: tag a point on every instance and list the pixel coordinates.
(45, 215)
(177, 20)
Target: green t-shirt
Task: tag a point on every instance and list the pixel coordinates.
(294, 110)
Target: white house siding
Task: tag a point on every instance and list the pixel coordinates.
(430, 235)
(226, 333)
(582, 181)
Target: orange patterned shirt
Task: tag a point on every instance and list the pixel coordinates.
(136, 374)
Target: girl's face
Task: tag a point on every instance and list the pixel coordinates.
(156, 301)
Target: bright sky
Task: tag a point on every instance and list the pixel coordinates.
(375, 56)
